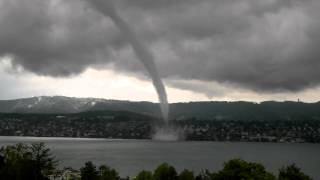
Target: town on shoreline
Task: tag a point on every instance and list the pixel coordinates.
(124, 125)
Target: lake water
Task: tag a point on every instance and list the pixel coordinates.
(131, 156)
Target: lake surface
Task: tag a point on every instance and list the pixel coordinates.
(131, 156)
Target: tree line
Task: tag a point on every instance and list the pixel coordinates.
(36, 162)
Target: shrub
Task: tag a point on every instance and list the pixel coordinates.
(144, 175)
(292, 172)
(165, 172)
(107, 173)
(186, 175)
(89, 171)
(238, 169)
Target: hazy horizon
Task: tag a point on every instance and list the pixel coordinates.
(156, 102)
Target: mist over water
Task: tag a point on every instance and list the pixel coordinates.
(168, 133)
(106, 7)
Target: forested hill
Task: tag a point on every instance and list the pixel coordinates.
(269, 110)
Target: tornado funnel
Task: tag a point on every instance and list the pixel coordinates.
(106, 7)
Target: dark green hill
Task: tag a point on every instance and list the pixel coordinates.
(218, 110)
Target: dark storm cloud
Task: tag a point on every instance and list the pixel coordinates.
(264, 45)
(56, 38)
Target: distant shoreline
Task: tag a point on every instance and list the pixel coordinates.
(65, 138)
(128, 125)
(35, 138)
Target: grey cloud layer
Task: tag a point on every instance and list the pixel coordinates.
(257, 44)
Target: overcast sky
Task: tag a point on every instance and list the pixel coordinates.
(251, 50)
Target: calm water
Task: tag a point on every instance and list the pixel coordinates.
(131, 156)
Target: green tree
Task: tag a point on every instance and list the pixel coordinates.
(20, 161)
(107, 173)
(89, 171)
(238, 169)
(165, 172)
(2, 164)
(204, 175)
(186, 175)
(292, 172)
(44, 161)
(144, 175)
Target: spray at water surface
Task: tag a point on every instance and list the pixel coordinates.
(107, 8)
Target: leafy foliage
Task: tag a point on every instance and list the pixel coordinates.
(165, 172)
(186, 175)
(292, 172)
(26, 162)
(144, 175)
(238, 169)
(107, 173)
(89, 171)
